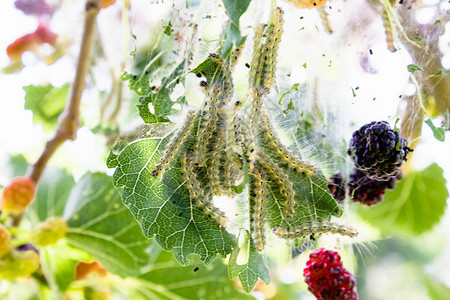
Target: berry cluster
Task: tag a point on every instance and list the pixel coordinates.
(378, 152)
(326, 277)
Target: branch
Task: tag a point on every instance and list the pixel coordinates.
(70, 119)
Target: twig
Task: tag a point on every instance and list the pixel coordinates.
(70, 120)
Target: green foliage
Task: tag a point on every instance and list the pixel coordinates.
(51, 195)
(247, 263)
(438, 133)
(413, 68)
(165, 278)
(168, 29)
(234, 10)
(100, 225)
(290, 105)
(163, 206)
(414, 206)
(436, 290)
(46, 102)
(58, 265)
(158, 98)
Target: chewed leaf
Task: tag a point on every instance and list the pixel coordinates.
(162, 205)
(247, 263)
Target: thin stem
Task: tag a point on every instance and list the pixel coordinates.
(70, 120)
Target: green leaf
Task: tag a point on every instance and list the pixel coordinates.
(165, 278)
(234, 10)
(414, 206)
(46, 102)
(413, 68)
(51, 195)
(163, 206)
(436, 290)
(160, 100)
(247, 263)
(58, 265)
(438, 133)
(210, 69)
(100, 225)
(168, 29)
(18, 164)
(440, 73)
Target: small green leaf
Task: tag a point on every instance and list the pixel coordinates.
(353, 92)
(51, 195)
(101, 225)
(210, 69)
(413, 68)
(440, 73)
(163, 206)
(305, 65)
(58, 265)
(438, 133)
(168, 29)
(436, 290)
(234, 10)
(417, 38)
(414, 206)
(247, 263)
(46, 102)
(165, 278)
(438, 21)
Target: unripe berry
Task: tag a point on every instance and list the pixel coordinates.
(327, 279)
(18, 264)
(5, 241)
(84, 269)
(97, 293)
(50, 231)
(18, 195)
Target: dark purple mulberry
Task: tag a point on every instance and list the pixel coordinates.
(326, 277)
(378, 151)
(369, 191)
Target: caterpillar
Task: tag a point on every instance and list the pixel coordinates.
(258, 197)
(325, 22)
(314, 227)
(234, 57)
(389, 31)
(280, 150)
(196, 192)
(175, 144)
(224, 79)
(248, 144)
(213, 166)
(229, 168)
(208, 124)
(282, 182)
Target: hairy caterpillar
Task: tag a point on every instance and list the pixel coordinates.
(325, 22)
(388, 30)
(223, 74)
(229, 168)
(280, 150)
(214, 161)
(234, 57)
(282, 182)
(314, 227)
(258, 208)
(196, 192)
(175, 144)
(262, 67)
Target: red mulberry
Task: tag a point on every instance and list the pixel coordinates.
(327, 279)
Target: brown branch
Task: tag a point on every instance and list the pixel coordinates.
(70, 119)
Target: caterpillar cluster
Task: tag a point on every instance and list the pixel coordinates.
(280, 180)
(266, 42)
(215, 144)
(314, 227)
